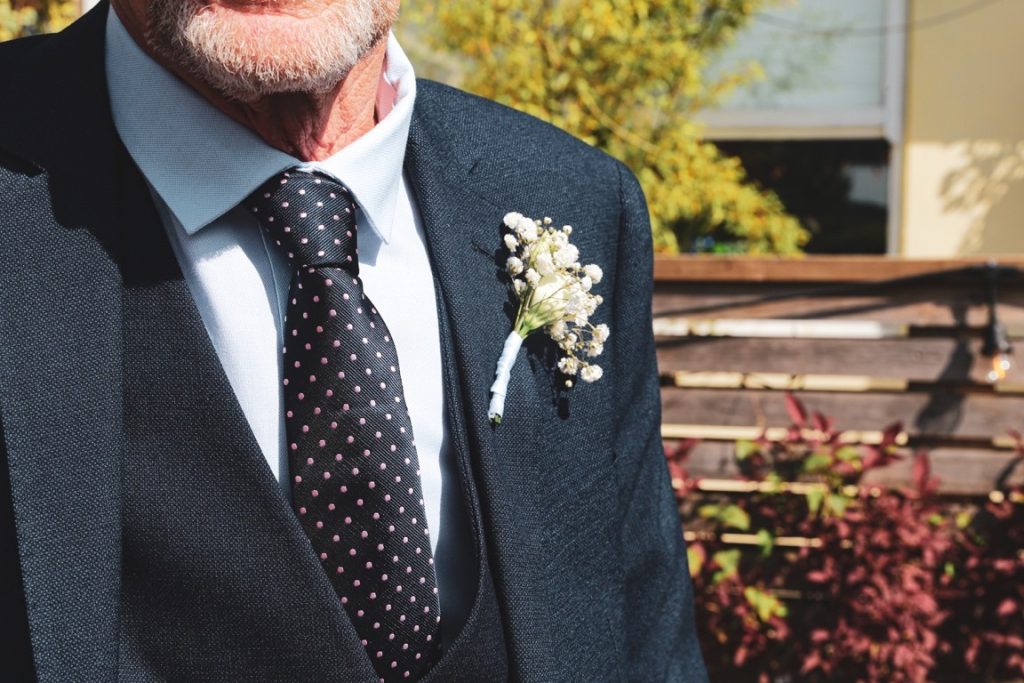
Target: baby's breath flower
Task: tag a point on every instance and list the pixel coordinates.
(545, 263)
(569, 365)
(566, 256)
(512, 219)
(554, 292)
(591, 373)
(527, 231)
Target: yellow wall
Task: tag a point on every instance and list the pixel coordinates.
(963, 184)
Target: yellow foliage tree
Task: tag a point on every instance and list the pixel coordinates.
(27, 17)
(626, 76)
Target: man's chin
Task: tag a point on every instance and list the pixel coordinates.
(247, 52)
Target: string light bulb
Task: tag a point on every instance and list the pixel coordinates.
(997, 344)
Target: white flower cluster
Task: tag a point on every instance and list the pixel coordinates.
(555, 293)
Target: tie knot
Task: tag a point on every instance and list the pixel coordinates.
(311, 217)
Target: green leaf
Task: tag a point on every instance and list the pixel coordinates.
(814, 499)
(851, 455)
(817, 462)
(836, 504)
(731, 515)
(765, 604)
(709, 511)
(964, 518)
(745, 449)
(949, 569)
(695, 559)
(735, 517)
(728, 561)
(766, 540)
(847, 453)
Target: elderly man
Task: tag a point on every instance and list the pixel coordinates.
(239, 448)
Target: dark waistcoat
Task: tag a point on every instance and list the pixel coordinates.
(218, 580)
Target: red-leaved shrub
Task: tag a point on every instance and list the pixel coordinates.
(833, 580)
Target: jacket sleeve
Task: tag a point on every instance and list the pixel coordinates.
(661, 638)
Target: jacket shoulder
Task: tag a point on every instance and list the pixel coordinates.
(16, 54)
(24, 66)
(501, 132)
(18, 67)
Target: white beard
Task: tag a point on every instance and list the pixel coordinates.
(220, 47)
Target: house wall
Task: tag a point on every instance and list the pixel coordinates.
(963, 183)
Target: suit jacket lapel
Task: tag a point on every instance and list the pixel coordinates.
(463, 231)
(60, 360)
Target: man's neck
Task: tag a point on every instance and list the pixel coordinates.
(311, 127)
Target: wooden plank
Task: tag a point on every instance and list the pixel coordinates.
(955, 359)
(938, 413)
(733, 433)
(781, 328)
(839, 384)
(753, 539)
(960, 472)
(807, 268)
(803, 488)
(940, 304)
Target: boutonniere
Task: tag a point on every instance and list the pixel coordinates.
(554, 296)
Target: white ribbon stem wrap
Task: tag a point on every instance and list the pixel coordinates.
(501, 377)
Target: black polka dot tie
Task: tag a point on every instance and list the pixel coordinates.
(354, 470)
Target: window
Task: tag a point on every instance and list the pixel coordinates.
(823, 126)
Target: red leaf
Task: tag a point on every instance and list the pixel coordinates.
(922, 473)
(684, 449)
(872, 457)
(890, 433)
(812, 662)
(1007, 607)
(820, 635)
(796, 410)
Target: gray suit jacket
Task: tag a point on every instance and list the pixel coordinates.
(119, 428)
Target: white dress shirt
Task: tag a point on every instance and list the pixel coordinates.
(200, 164)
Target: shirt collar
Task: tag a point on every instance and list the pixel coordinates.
(202, 163)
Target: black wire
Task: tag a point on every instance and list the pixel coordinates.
(928, 22)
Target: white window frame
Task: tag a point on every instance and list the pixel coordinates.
(884, 122)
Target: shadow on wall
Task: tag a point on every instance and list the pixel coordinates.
(989, 184)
